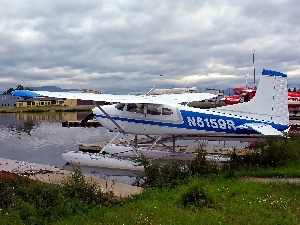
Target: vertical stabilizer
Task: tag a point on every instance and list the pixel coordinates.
(270, 102)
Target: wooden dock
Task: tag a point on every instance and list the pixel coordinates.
(97, 147)
(89, 123)
(146, 141)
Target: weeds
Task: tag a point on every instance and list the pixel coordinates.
(167, 174)
(196, 194)
(272, 152)
(76, 187)
(204, 201)
(29, 202)
(184, 189)
(269, 154)
(201, 166)
(170, 174)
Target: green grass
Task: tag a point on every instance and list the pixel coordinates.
(222, 201)
(290, 170)
(209, 199)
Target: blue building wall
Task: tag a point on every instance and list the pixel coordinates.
(7, 101)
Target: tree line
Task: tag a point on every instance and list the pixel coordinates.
(294, 89)
(18, 87)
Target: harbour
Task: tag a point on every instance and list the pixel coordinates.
(41, 139)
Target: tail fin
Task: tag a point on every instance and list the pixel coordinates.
(270, 102)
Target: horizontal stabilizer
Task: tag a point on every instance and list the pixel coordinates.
(262, 128)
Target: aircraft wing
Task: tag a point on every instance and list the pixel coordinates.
(184, 97)
(154, 99)
(265, 129)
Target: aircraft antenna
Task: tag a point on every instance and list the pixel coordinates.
(253, 68)
(150, 90)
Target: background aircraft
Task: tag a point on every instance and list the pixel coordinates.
(244, 94)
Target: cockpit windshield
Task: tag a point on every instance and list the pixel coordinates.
(151, 109)
(240, 92)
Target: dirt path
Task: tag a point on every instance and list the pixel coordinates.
(271, 179)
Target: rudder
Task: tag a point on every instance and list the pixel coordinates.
(270, 102)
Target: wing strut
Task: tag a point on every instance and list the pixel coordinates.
(154, 143)
(121, 131)
(111, 141)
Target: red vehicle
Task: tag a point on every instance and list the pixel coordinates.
(244, 94)
(294, 99)
(241, 94)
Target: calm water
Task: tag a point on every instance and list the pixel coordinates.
(40, 137)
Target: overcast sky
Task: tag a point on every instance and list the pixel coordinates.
(129, 46)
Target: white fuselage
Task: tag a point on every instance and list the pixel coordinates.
(164, 119)
(155, 119)
(139, 122)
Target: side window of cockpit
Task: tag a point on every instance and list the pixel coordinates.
(167, 111)
(140, 108)
(120, 106)
(131, 107)
(153, 110)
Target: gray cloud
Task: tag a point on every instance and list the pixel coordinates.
(124, 46)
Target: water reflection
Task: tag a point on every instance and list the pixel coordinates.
(40, 138)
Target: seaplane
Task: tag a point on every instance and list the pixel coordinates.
(244, 94)
(241, 94)
(170, 114)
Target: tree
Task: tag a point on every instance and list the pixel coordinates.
(8, 92)
(18, 87)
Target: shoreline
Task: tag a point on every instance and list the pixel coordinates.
(40, 109)
(51, 174)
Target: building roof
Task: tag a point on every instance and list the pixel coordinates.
(174, 90)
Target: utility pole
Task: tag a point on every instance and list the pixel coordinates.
(253, 68)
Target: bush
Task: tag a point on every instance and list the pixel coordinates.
(78, 187)
(272, 152)
(196, 194)
(24, 201)
(172, 173)
(167, 174)
(201, 166)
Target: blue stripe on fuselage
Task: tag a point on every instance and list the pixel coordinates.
(201, 121)
(220, 123)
